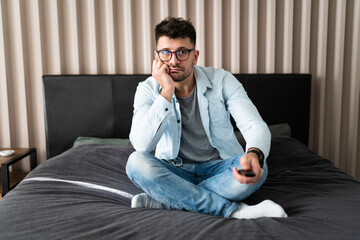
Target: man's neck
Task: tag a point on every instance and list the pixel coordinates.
(184, 88)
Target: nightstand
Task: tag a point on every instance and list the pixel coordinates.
(6, 162)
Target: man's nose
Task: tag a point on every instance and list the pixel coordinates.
(174, 60)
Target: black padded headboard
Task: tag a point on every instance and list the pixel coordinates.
(102, 105)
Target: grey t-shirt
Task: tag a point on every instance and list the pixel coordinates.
(194, 145)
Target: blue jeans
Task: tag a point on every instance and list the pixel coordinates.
(207, 187)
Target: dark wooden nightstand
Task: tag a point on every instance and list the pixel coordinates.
(6, 162)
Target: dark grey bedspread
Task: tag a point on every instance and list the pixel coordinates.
(85, 194)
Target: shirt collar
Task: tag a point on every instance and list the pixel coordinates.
(201, 79)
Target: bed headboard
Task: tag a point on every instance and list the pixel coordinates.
(102, 105)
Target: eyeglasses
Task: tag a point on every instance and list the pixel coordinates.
(181, 55)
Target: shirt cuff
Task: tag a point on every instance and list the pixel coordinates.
(162, 107)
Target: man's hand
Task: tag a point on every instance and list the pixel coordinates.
(249, 161)
(161, 74)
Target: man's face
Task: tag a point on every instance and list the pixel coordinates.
(179, 70)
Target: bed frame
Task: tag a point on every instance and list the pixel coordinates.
(102, 105)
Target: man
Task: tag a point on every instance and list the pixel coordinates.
(183, 112)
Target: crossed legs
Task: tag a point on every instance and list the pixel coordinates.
(204, 187)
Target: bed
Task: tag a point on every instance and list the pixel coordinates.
(82, 191)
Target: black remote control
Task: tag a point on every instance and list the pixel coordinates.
(247, 173)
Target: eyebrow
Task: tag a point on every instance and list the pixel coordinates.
(179, 49)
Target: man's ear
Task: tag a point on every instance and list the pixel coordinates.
(196, 56)
(155, 55)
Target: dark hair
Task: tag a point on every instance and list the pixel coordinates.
(175, 28)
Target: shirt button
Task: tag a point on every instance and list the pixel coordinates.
(178, 121)
(166, 109)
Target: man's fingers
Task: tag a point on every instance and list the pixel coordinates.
(242, 179)
(237, 175)
(165, 68)
(245, 162)
(159, 65)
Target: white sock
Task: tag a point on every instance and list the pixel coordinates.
(266, 208)
(143, 200)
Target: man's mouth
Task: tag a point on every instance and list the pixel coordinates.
(175, 69)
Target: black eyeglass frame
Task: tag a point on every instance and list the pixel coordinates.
(175, 52)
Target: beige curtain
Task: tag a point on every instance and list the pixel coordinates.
(320, 37)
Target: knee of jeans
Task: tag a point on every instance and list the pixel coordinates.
(140, 164)
(134, 161)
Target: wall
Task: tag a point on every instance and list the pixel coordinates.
(40, 37)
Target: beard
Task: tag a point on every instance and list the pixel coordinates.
(180, 76)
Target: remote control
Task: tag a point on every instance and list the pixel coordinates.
(247, 173)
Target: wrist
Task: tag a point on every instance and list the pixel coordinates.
(167, 93)
(259, 154)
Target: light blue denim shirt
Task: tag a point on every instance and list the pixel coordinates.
(157, 122)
